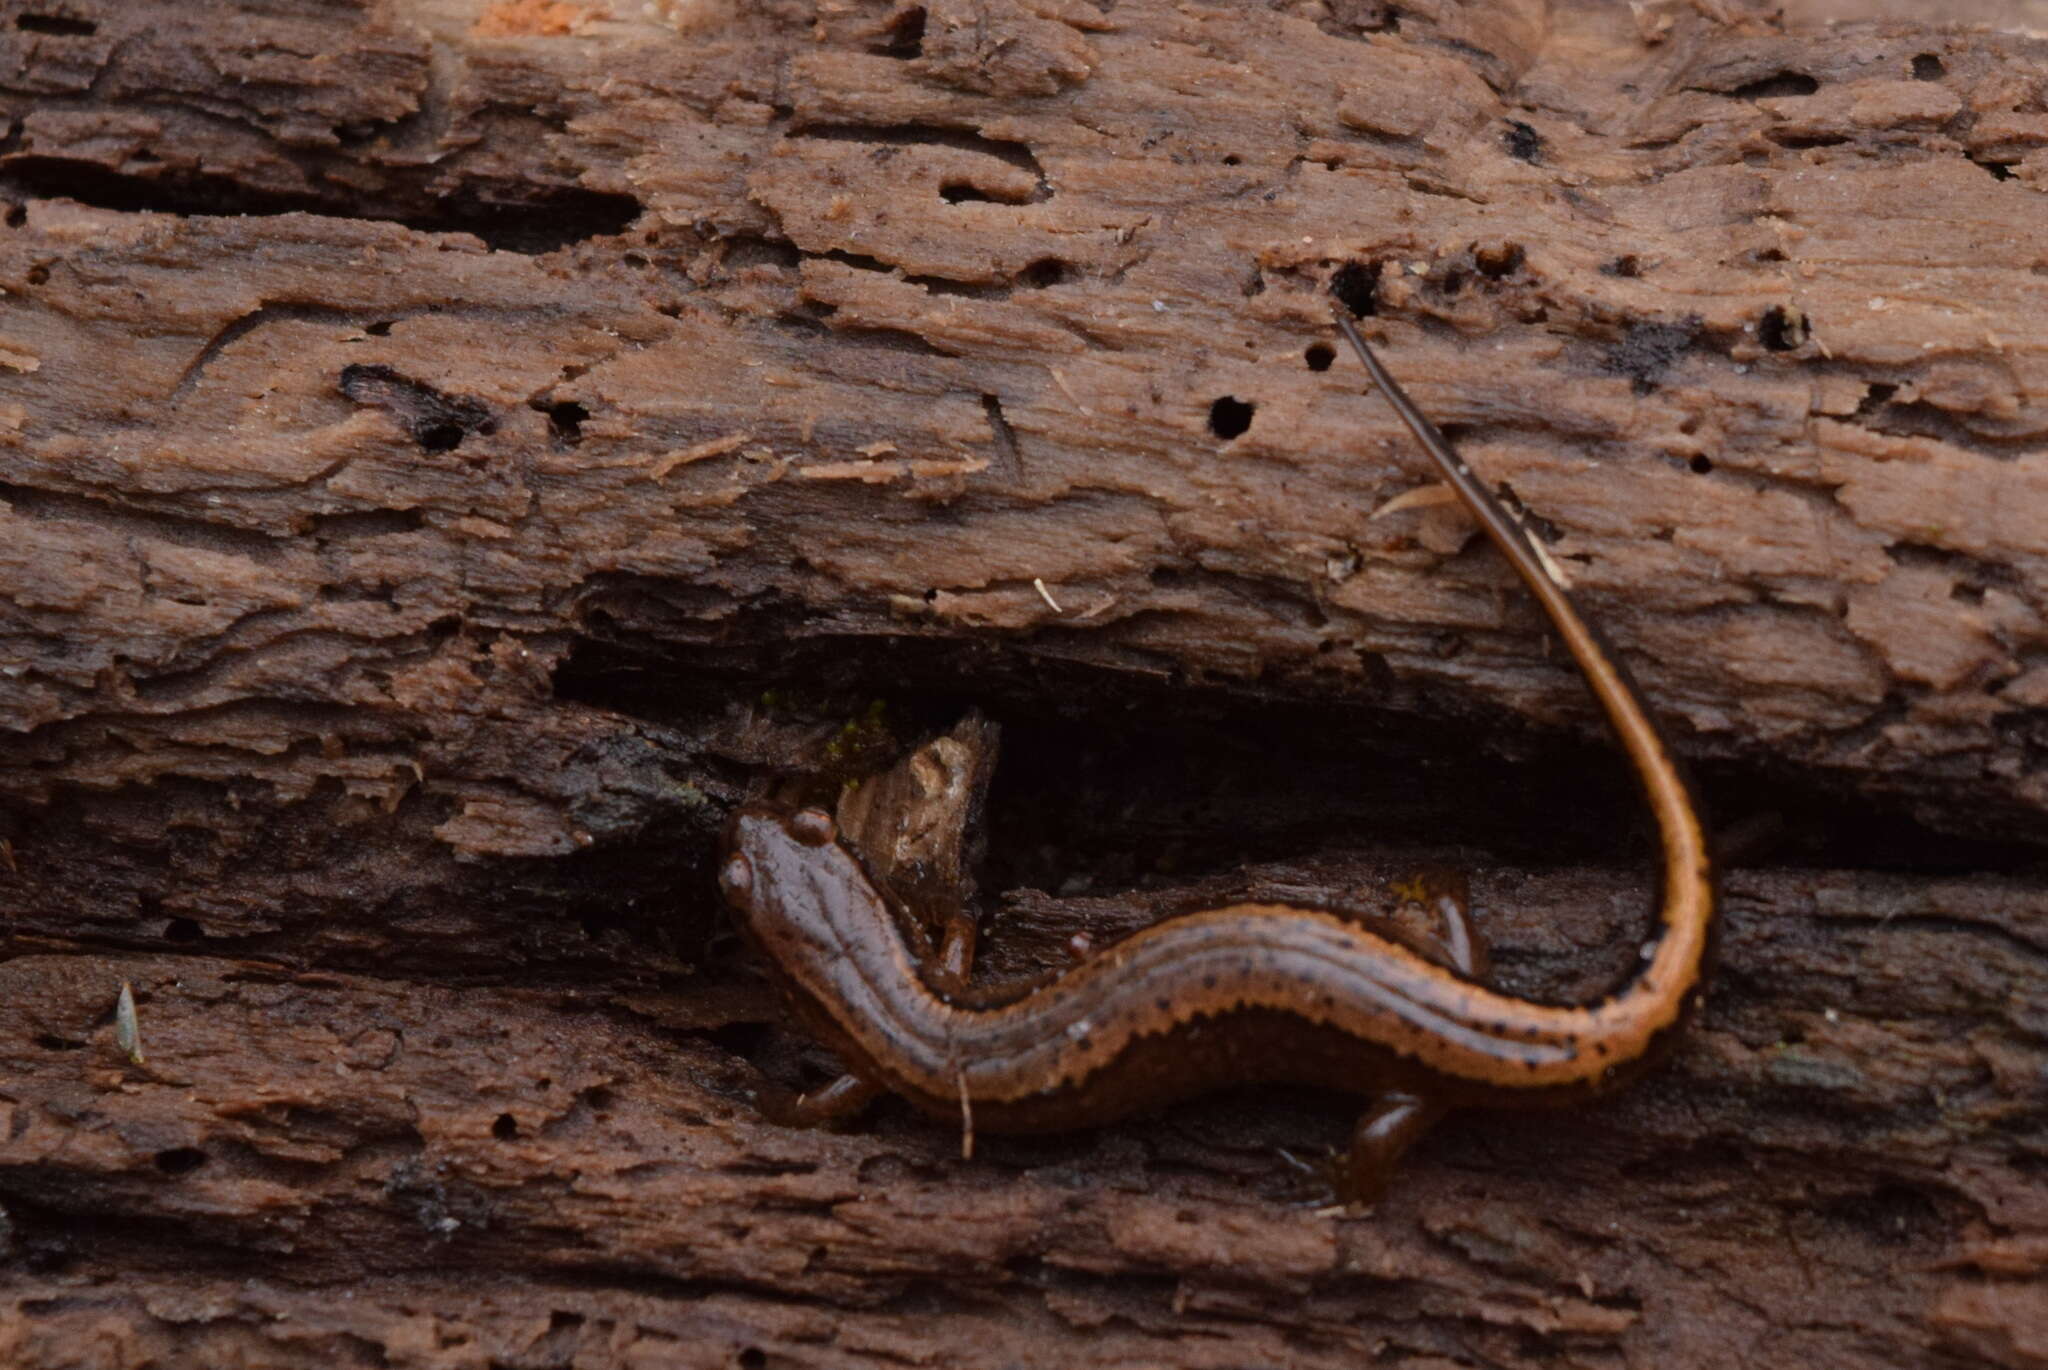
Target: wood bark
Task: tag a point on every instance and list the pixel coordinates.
(452, 452)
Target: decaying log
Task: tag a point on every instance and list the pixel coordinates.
(452, 452)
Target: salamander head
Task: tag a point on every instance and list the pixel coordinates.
(799, 893)
(765, 847)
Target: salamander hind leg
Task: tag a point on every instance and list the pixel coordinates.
(1447, 893)
(1395, 1121)
(1433, 918)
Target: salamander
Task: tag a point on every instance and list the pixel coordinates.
(1246, 992)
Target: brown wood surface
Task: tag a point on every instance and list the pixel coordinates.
(451, 452)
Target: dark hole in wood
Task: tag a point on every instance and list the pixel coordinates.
(1229, 416)
(1356, 286)
(440, 437)
(565, 418)
(506, 1128)
(1774, 87)
(1043, 272)
(1781, 331)
(180, 1160)
(1499, 259)
(1523, 142)
(182, 930)
(905, 35)
(62, 25)
(1875, 397)
(1701, 464)
(1629, 266)
(1319, 356)
(1928, 67)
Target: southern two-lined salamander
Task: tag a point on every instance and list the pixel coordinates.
(1247, 992)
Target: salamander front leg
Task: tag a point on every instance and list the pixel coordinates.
(951, 966)
(838, 1102)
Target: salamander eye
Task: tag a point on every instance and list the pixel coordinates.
(812, 827)
(736, 878)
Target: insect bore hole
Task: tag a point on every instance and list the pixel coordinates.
(566, 419)
(1229, 416)
(441, 437)
(180, 1160)
(1043, 272)
(58, 24)
(1357, 286)
(1498, 260)
(1782, 329)
(1777, 87)
(1319, 356)
(904, 38)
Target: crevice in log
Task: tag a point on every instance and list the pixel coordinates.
(1200, 782)
(541, 223)
(138, 515)
(56, 25)
(437, 422)
(1012, 153)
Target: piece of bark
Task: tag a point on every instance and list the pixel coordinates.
(403, 580)
(1834, 1165)
(984, 337)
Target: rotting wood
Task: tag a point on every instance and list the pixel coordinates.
(394, 575)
